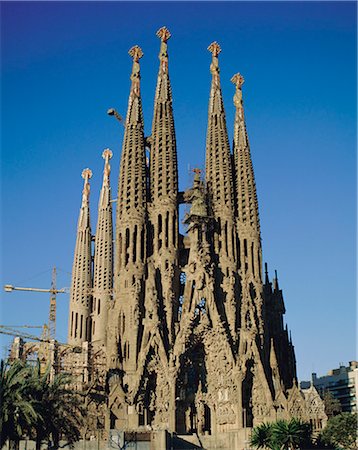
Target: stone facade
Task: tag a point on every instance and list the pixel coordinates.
(179, 333)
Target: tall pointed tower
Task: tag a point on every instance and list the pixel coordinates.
(163, 209)
(79, 329)
(130, 254)
(221, 198)
(248, 223)
(103, 260)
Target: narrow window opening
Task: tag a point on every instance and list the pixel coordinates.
(160, 228)
(76, 324)
(259, 262)
(81, 326)
(252, 259)
(245, 253)
(120, 250)
(71, 324)
(127, 246)
(174, 229)
(134, 252)
(167, 229)
(142, 244)
(226, 246)
(238, 246)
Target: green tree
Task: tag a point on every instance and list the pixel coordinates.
(59, 408)
(17, 413)
(332, 406)
(282, 435)
(291, 434)
(341, 431)
(261, 437)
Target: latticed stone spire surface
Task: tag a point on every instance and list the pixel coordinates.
(163, 160)
(221, 200)
(192, 342)
(218, 159)
(131, 218)
(163, 211)
(247, 204)
(81, 288)
(103, 258)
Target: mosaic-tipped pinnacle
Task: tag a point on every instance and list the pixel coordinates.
(87, 174)
(214, 48)
(164, 34)
(136, 53)
(238, 80)
(107, 153)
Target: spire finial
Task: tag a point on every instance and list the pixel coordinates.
(86, 175)
(163, 34)
(136, 53)
(214, 48)
(238, 81)
(106, 155)
(276, 288)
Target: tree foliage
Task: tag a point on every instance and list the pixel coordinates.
(33, 405)
(17, 413)
(261, 436)
(332, 406)
(282, 435)
(341, 431)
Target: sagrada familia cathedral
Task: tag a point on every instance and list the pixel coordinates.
(180, 335)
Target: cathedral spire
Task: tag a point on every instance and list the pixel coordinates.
(103, 258)
(163, 209)
(220, 193)
(131, 216)
(163, 157)
(132, 180)
(218, 158)
(245, 189)
(81, 286)
(247, 205)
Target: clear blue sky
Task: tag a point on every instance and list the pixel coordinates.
(64, 64)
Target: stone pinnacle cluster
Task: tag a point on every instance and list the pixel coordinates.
(190, 333)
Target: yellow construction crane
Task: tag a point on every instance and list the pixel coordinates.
(50, 330)
(10, 331)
